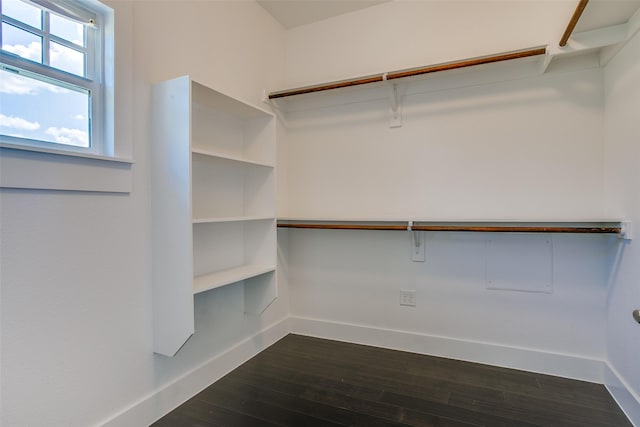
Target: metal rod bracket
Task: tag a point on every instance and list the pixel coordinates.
(396, 107)
(417, 246)
(626, 231)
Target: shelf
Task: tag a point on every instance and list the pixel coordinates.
(226, 277)
(226, 188)
(242, 134)
(213, 204)
(219, 101)
(224, 156)
(233, 219)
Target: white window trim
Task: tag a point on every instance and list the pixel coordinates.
(26, 167)
(96, 76)
(72, 10)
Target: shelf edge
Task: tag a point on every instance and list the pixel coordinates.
(234, 275)
(222, 156)
(233, 219)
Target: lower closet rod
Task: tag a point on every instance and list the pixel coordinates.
(468, 228)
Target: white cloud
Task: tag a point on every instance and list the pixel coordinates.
(68, 136)
(66, 59)
(18, 123)
(15, 84)
(33, 51)
(78, 117)
(62, 58)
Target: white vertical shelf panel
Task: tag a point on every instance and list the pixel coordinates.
(172, 232)
(213, 204)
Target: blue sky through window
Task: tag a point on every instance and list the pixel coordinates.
(23, 12)
(37, 110)
(41, 108)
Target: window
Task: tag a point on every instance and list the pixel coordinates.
(52, 76)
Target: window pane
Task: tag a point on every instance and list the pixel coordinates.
(21, 43)
(42, 111)
(66, 29)
(66, 59)
(23, 12)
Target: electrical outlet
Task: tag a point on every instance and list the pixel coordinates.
(408, 297)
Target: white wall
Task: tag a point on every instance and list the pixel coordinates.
(412, 33)
(500, 142)
(462, 133)
(524, 149)
(353, 278)
(622, 197)
(76, 283)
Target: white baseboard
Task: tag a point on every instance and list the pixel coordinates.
(152, 407)
(628, 401)
(568, 366)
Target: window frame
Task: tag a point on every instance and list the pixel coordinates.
(96, 72)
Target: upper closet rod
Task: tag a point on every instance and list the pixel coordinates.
(410, 73)
(572, 23)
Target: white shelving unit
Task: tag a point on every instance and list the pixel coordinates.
(213, 197)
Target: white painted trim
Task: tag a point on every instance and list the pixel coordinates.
(624, 396)
(69, 153)
(564, 365)
(27, 169)
(152, 407)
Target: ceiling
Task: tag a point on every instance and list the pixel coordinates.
(294, 13)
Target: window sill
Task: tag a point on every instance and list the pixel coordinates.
(65, 153)
(49, 169)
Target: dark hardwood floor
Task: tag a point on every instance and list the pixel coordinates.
(302, 381)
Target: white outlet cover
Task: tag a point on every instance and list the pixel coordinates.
(408, 297)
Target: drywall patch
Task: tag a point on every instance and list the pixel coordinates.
(519, 262)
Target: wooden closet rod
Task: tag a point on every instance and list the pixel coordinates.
(572, 22)
(410, 73)
(466, 228)
(467, 63)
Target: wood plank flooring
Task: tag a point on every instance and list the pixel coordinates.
(302, 381)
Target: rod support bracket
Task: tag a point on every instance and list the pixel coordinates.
(548, 57)
(396, 106)
(417, 246)
(626, 231)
